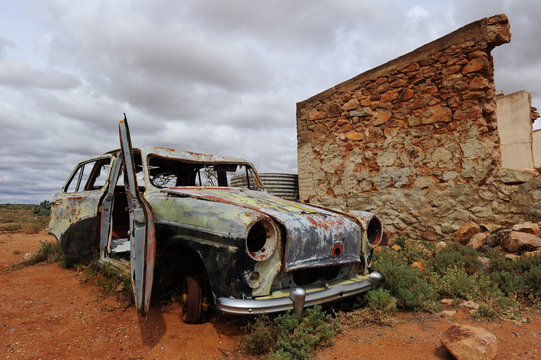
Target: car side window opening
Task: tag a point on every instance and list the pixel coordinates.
(165, 172)
(73, 184)
(98, 175)
(89, 176)
(139, 175)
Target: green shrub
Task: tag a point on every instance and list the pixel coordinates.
(485, 312)
(260, 340)
(284, 337)
(510, 284)
(493, 303)
(406, 284)
(43, 209)
(380, 299)
(456, 283)
(454, 255)
(519, 277)
(400, 241)
(48, 252)
(533, 282)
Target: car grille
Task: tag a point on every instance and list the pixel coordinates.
(304, 277)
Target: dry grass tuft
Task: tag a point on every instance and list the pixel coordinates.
(365, 316)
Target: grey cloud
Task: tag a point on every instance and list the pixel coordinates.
(5, 44)
(19, 74)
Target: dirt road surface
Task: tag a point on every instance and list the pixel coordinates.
(46, 312)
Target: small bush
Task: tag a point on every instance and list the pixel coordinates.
(509, 284)
(406, 284)
(381, 299)
(518, 278)
(284, 337)
(43, 209)
(48, 252)
(261, 339)
(364, 316)
(454, 255)
(456, 283)
(400, 241)
(32, 228)
(485, 312)
(416, 251)
(532, 280)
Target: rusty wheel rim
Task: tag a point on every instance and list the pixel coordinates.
(191, 300)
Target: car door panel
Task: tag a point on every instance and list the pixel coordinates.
(142, 234)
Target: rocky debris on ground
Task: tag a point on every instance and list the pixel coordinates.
(447, 313)
(517, 241)
(29, 256)
(528, 227)
(446, 301)
(478, 240)
(511, 256)
(520, 239)
(469, 304)
(440, 245)
(484, 264)
(467, 231)
(466, 342)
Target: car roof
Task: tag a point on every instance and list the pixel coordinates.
(184, 155)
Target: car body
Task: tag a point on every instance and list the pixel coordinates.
(239, 249)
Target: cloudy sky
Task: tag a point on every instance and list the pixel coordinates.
(219, 77)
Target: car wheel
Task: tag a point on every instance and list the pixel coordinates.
(192, 300)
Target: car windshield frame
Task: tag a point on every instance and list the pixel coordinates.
(162, 172)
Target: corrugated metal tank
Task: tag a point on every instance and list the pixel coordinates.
(285, 186)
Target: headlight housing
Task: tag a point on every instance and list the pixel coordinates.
(262, 239)
(374, 232)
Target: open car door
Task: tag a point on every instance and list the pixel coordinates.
(142, 233)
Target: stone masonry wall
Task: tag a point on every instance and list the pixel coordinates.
(415, 140)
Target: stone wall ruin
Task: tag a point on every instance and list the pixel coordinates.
(416, 141)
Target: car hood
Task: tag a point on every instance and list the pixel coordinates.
(314, 236)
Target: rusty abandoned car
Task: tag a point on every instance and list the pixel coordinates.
(153, 212)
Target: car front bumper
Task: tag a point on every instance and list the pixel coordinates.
(283, 302)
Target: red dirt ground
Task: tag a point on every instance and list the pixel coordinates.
(47, 312)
